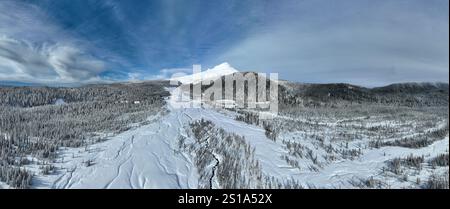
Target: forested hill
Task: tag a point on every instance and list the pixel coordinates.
(36, 121)
(404, 94)
(38, 96)
(338, 94)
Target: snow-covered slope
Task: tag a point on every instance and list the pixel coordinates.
(210, 74)
(145, 157)
(149, 157)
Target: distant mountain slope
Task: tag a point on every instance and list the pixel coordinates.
(336, 94)
(413, 88)
(404, 94)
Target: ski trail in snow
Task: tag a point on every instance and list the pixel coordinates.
(119, 171)
(138, 158)
(146, 157)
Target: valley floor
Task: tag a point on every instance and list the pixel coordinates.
(149, 157)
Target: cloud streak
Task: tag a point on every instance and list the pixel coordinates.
(25, 62)
(364, 42)
(40, 52)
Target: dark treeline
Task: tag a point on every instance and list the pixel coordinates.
(37, 96)
(292, 94)
(343, 95)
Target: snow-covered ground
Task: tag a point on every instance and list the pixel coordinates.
(4, 186)
(144, 157)
(148, 156)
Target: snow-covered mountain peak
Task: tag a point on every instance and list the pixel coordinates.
(209, 74)
(223, 68)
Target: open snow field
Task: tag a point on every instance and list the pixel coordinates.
(149, 157)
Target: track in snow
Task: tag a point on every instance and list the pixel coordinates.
(148, 157)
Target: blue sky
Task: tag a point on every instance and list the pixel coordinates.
(362, 42)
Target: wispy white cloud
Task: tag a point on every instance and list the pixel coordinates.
(357, 41)
(26, 62)
(169, 72)
(163, 74)
(33, 49)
